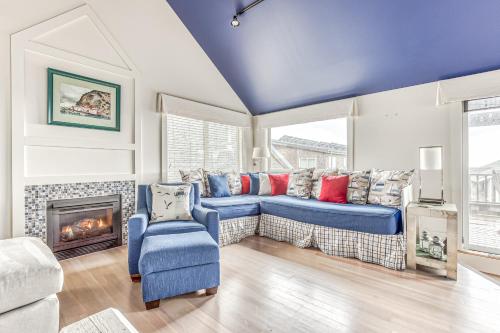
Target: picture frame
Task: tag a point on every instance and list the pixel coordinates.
(79, 101)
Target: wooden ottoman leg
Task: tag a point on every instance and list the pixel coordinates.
(135, 277)
(152, 305)
(211, 291)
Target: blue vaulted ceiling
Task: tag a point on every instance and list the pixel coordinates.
(289, 53)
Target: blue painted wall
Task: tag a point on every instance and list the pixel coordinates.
(289, 53)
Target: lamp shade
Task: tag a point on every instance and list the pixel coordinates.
(260, 152)
(431, 158)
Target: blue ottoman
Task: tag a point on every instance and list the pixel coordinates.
(177, 264)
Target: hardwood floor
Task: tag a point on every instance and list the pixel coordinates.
(269, 286)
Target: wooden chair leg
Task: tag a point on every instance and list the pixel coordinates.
(211, 291)
(135, 277)
(152, 305)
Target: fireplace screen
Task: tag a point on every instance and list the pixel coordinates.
(80, 226)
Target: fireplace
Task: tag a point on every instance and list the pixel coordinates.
(80, 226)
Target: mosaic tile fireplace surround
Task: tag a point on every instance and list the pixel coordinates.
(37, 196)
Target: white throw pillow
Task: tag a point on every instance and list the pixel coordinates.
(264, 184)
(170, 202)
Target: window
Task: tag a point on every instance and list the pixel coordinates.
(307, 162)
(482, 179)
(319, 144)
(196, 144)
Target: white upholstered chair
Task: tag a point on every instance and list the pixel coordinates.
(30, 277)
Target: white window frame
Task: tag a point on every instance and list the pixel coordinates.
(167, 104)
(350, 139)
(465, 189)
(206, 147)
(308, 159)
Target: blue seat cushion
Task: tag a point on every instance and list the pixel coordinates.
(166, 252)
(173, 227)
(233, 207)
(373, 219)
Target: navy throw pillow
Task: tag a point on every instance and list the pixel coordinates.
(254, 183)
(219, 187)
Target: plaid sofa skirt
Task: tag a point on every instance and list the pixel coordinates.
(385, 250)
(234, 230)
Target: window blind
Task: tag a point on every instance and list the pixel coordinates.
(193, 144)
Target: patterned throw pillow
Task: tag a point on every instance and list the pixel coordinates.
(317, 176)
(170, 202)
(300, 183)
(264, 184)
(234, 181)
(190, 176)
(386, 186)
(205, 180)
(359, 184)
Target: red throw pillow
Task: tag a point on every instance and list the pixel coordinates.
(245, 184)
(334, 189)
(279, 183)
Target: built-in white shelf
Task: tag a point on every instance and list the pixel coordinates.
(35, 141)
(45, 180)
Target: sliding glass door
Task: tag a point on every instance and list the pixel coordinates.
(482, 175)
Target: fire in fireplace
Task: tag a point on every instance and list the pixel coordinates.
(81, 226)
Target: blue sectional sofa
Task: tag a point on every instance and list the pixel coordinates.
(371, 233)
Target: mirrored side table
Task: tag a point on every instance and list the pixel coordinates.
(448, 212)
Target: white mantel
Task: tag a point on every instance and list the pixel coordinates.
(44, 154)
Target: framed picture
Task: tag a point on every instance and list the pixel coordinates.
(80, 101)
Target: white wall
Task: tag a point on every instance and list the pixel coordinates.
(166, 55)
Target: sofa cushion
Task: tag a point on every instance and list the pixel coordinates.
(28, 272)
(170, 202)
(245, 184)
(300, 183)
(173, 227)
(264, 184)
(363, 218)
(167, 252)
(234, 182)
(359, 184)
(219, 186)
(279, 183)
(317, 178)
(254, 183)
(233, 207)
(386, 186)
(208, 193)
(39, 317)
(190, 176)
(334, 189)
(195, 188)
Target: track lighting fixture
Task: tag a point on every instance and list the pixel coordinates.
(235, 22)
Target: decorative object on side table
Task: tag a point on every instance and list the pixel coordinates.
(436, 248)
(435, 256)
(424, 241)
(431, 172)
(79, 101)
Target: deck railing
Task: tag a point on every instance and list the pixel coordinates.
(482, 189)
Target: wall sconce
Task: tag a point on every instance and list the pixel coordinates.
(431, 175)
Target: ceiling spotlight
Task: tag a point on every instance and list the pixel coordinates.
(235, 23)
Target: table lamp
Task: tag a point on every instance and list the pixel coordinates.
(431, 175)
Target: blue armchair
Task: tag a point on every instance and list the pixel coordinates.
(139, 228)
